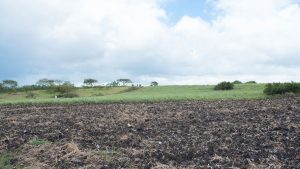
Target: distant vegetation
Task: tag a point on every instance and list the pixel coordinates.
(90, 82)
(237, 82)
(124, 82)
(224, 86)
(154, 83)
(8, 84)
(49, 90)
(144, 94)
(66, 90)
(251, 82)
(282, 88)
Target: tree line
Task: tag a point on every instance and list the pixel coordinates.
(12, 85)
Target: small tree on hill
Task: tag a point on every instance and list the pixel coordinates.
(90, 82)
(9, 84)
(154, 83)
(113, 84)
(124, 81)
(45, 82)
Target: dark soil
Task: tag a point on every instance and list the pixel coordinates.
(204, 134)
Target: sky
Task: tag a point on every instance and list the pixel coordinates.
(170, 41)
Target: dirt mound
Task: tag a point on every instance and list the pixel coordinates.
(208, 134)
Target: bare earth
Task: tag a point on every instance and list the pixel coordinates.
(200, 134)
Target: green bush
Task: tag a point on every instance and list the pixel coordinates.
(65, 88)
(282, 88)
(224, 86)
(237, 82)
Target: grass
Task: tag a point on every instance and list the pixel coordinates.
(46, 95)
(148, 94)
(38, 142)
(7, 161)
(106, 155)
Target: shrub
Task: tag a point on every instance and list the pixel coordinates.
(282, 88)
(224, 86)
(237, 82)
(65, 88)
(251, 82)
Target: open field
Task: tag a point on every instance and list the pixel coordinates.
(145, 94)
(192, 134)
(41, 95)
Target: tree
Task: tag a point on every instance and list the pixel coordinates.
(1, 87)
(45, 82)
(9, 84)
(124, 81)
(114, 84)
(154, 83)
(58, 82)
(90, 82)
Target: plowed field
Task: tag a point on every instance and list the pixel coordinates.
(200, 134)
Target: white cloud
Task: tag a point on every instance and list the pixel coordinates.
(249, 39)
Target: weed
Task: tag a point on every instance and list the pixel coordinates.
(106, 155)
(8, 161)
(38, 142)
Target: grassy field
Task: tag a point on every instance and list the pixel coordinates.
(44, 94)
(145, 94)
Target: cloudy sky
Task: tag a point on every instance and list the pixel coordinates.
(170, 41)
